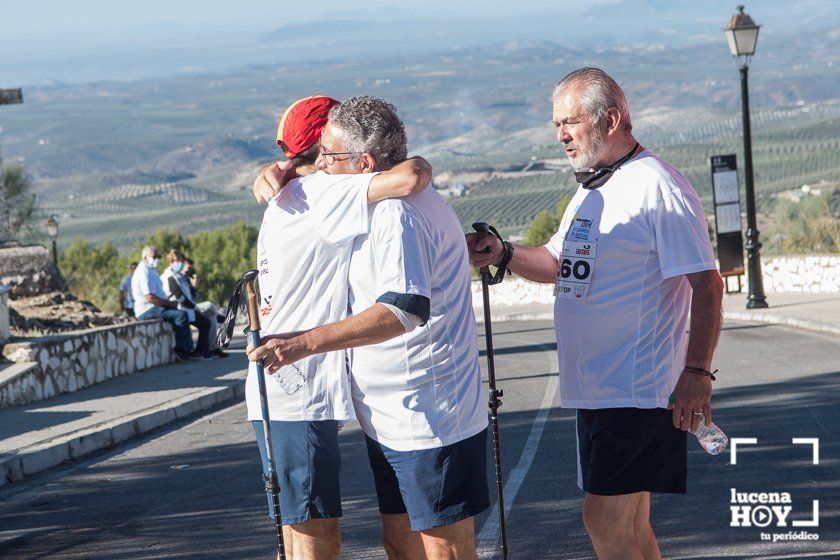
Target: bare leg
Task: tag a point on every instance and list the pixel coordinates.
(451, 542)
(609, 521)
(316, 539)
(400, 542)
(644, 532)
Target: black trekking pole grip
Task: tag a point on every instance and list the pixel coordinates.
(272, 484)
(494, 394)
(483, 228)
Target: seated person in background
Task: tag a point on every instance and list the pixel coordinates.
(126, 301)
(150, 302)
(206, 308)
(177, 289)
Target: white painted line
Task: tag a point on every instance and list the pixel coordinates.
(489, 534)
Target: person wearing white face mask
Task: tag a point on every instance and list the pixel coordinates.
(177, 289)
(150, 302)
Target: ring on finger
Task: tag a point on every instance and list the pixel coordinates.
(697, 413)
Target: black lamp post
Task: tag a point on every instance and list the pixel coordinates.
(741, 36)
(52, 231)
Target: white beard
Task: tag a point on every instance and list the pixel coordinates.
(588, 159)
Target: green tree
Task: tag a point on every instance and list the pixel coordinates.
(94, 272)
(221, 256)
(165, 240)
(23, 204)
(545, 224)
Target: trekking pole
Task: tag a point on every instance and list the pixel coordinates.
(494, 403)
(272, 486)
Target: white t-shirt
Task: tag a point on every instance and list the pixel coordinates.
(303, 256)
(423, 389)
(144, 281)
(622, 298)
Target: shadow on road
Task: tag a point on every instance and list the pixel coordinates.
(209, 503)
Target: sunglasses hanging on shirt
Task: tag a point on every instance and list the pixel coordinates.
(593, 179)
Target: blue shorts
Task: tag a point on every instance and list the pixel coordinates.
(435, 487)
(307, 460)
(629, 450)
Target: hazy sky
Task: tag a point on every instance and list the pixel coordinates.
(58, 41)
(34, 17)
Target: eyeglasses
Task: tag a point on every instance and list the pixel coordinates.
(330, 157)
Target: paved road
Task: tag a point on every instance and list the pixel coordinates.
(194, 491)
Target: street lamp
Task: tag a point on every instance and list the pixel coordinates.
(741, 36)
(52, 231)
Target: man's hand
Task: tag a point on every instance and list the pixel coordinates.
(277, 352)
(165, 303)
(484, 249)
(271, 179)
(693, 394)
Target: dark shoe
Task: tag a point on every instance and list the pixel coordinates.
(219, 353)
(200, 356)
(180, 356)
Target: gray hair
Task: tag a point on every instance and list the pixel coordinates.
(370, 124)
(148, 251)
(599, 93)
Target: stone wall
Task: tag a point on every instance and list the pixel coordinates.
(515, 290)
(73, 361)
(812, 274)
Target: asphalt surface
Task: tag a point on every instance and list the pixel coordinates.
(194, 491)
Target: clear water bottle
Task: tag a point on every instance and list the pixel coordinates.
(290, 378)
(711, 437)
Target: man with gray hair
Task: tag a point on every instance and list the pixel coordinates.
(151, 302)
(416, 380)
(632, 256)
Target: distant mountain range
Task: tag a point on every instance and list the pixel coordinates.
(473, 94)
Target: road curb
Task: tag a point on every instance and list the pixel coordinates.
(85, 442)
(753, 316)
(524, 316)
(770, 318)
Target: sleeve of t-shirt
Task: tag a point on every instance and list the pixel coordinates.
(403, 278)
(555, 245)
(143, 283)
(681, 233)
(343, 207)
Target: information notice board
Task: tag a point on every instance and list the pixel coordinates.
(727, 201)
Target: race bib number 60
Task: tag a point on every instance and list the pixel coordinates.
(577, 263)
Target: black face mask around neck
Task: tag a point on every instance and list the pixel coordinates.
(596, 178)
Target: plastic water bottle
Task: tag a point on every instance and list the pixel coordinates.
(711, 437)
(290, 378)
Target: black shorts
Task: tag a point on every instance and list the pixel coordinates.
(629, 450)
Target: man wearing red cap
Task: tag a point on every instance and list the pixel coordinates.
(304, 247)
(416, 376)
